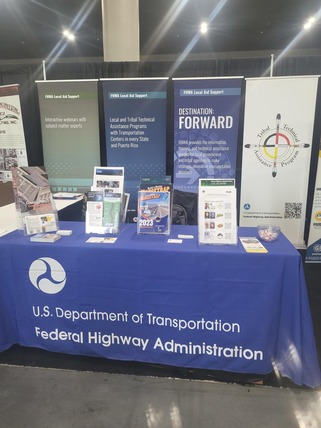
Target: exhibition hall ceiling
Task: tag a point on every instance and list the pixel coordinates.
(32, 29)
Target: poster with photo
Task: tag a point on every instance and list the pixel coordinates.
(13, 151)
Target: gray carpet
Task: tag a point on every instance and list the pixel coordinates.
(55, 398)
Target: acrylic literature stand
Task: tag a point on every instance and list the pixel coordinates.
(35, 207)
(154, 206)
(105, 201)
(217, 211)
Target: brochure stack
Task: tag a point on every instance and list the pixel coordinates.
(106, 202)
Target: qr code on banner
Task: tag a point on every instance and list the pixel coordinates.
(292, 210)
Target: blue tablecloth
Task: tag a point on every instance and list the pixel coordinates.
(144, 299)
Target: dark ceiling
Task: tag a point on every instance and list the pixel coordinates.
(32, 28)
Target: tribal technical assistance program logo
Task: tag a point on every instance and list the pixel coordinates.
(47, 275)
(278, 146)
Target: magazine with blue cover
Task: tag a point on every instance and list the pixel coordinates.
(154, 214)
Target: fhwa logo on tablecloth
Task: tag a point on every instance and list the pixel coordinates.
(47, 275)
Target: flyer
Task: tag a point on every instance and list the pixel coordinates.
(252, 245)
(217, 211)
(94, 212)
(109, 178)
(111, 212)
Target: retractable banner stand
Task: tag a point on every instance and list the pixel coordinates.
(313, 253)
(135, 123)
(12, 138)
(206, 122)
(70, 132)
(278, 130)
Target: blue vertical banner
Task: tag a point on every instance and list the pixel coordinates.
(206, 124)
(135, 125)
(313, 252)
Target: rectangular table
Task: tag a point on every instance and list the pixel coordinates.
(144, 299)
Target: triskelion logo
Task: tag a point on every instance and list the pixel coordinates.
(47, 275)
(277, 146)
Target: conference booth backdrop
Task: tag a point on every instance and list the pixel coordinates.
(263, 132)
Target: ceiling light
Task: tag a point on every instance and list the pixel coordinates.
(309, 23)
(204, 27)
(70, 36)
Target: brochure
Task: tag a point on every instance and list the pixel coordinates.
(109, 178)
(45, 237)
(112, 203)
(66, 195)
(156, 184)
(94, 212)
(154, 212)
(217, 211)
(253, 245)
(40, 223)
(98, 240)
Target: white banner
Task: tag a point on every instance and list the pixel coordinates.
(12, 138)
(278, 130)
(313, 253)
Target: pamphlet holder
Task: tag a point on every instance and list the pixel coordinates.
(35, 207)
(217, 212)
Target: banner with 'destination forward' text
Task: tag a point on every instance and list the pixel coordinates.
(277, 140)
(13, 151)
(206, 120)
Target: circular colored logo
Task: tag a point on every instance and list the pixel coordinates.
(47, 275)
(317, 216)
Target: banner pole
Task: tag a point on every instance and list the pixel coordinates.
(272, 64)
(44, 70)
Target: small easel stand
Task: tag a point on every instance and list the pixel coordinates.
(217, 212)
(35, 207)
